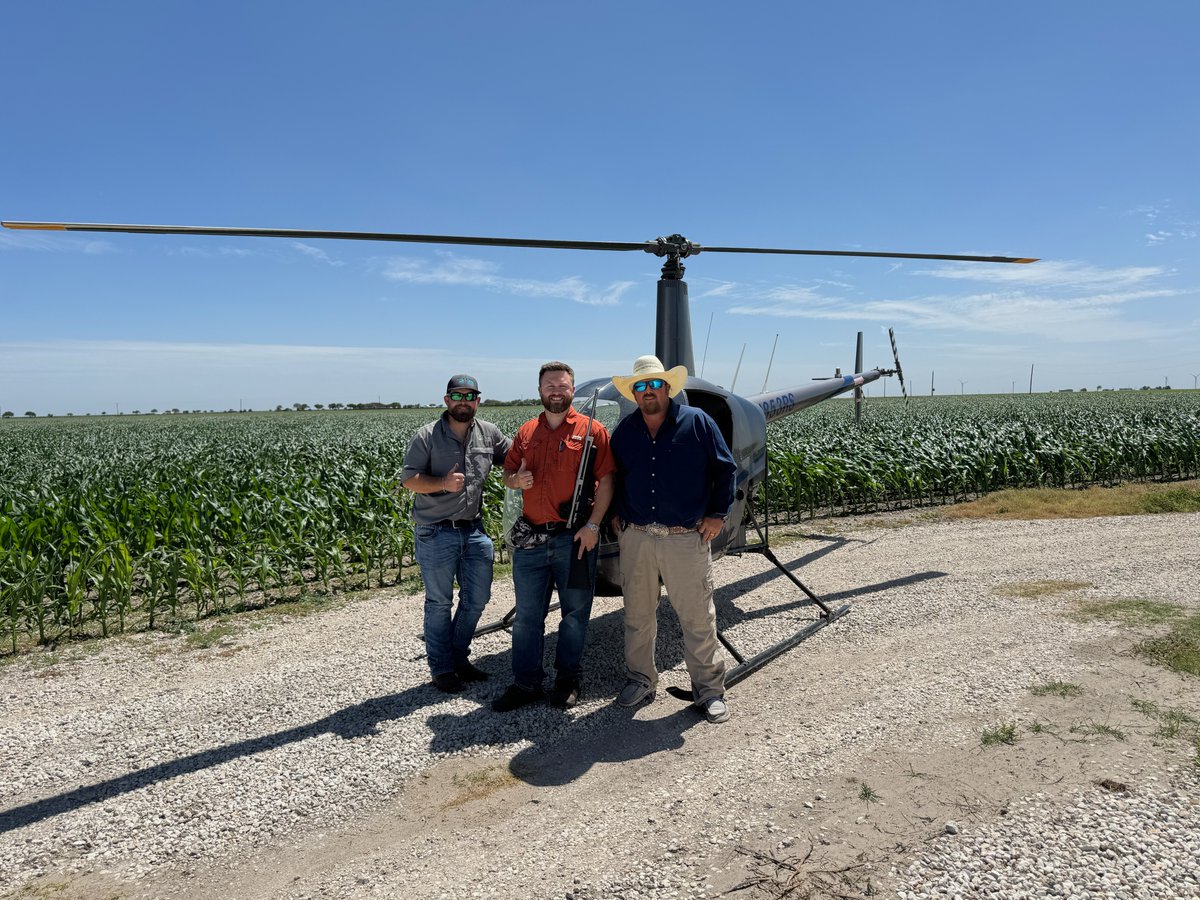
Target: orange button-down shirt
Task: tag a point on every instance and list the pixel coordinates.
(553, 455)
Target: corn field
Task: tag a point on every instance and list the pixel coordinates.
(948, 449)
(152, 521)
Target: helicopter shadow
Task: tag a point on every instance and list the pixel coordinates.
(360, 720)
(729, 614)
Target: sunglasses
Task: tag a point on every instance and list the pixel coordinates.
(654, 384)
(464, 395)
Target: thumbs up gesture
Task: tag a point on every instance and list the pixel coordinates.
(523, 479)
(453, 480)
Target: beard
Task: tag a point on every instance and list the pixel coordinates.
(558, 405)
(651, 404)
(462, 412)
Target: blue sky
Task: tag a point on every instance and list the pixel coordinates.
(1066, 131)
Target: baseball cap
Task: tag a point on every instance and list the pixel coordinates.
(462, 383)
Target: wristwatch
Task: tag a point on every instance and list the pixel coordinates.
(593, 526)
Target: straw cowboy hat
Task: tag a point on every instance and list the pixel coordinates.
(647, 367)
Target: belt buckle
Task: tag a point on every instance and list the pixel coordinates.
(658, 530)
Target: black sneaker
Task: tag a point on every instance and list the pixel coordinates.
(565, 693)
(515, 697)
(448, 682)
(468, 672)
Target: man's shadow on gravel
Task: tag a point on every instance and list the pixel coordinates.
(361, 720)
(565, 746)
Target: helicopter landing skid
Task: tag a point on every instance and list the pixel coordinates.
(747, 667)
(506, 620)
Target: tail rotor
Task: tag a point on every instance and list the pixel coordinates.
(898, 372)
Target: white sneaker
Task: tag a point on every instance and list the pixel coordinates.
(716, 709)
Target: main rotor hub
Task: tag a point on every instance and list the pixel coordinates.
(674, 248)
(675, 245)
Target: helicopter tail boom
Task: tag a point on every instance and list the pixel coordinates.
(779, 404)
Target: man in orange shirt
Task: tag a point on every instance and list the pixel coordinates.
(543, 463)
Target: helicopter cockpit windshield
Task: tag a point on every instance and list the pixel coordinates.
(611, 407)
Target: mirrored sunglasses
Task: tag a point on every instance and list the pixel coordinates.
(654, 384)
(464, 395)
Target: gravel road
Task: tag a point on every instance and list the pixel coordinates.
(307, 756)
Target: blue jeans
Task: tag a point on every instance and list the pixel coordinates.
(536, 573)
(445, 554)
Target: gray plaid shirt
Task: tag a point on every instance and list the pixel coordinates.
(435, 450)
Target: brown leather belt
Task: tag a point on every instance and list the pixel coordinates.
(661, 530)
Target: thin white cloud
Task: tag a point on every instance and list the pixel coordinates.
(1067, 274)
(721, 289)
(209, 252)
(316, 253)
(1148, 211)
(1062, 300)
(1166, 224)
(458, 271)
(1091, 318)
(81, 376)
(58, 243)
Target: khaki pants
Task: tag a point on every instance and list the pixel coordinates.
(684, 562)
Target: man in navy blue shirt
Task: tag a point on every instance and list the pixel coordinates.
(675, 484)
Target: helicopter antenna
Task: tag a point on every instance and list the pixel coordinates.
(899, 371)
(704, 358)
(770, 362)
(738, 369)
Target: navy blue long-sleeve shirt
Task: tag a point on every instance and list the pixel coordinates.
(678, 477)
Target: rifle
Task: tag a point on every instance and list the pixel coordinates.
(582, 572)
(585, 485)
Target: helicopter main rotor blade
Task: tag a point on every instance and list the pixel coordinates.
(332, 235)
(950, 256)
(673, 246)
